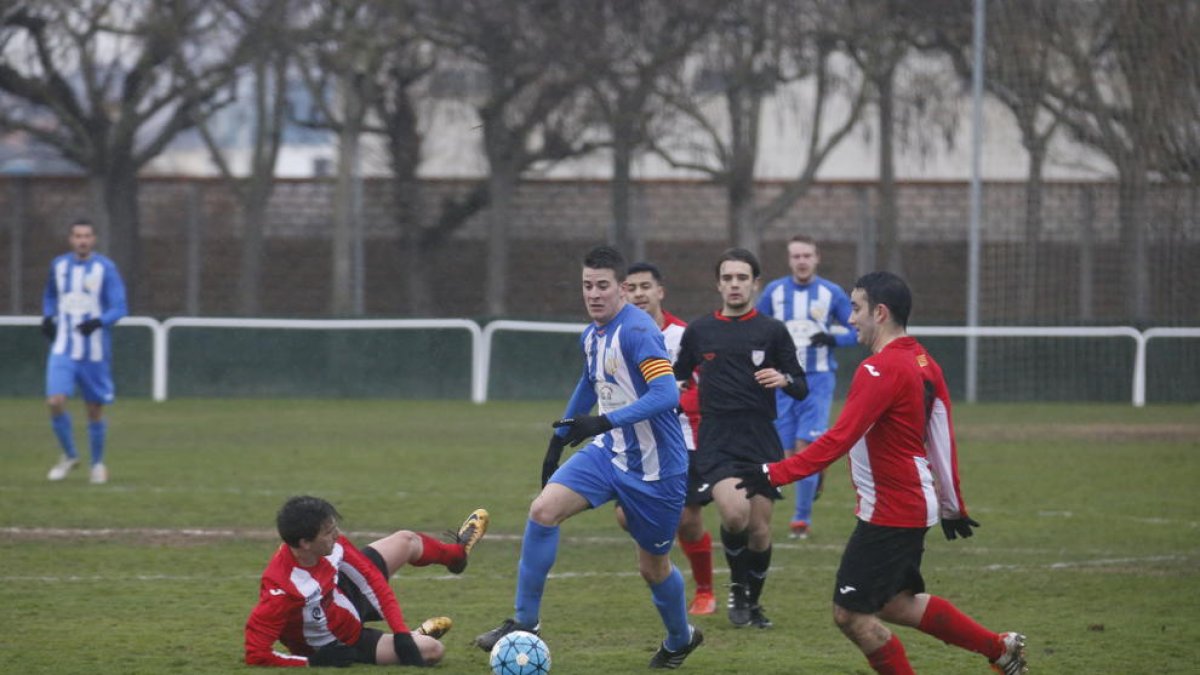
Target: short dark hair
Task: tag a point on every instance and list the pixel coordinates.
(643, 266)
(803, 239)
(81, 222)
(302, 518)
(885, 288)
(606, 258)
(739, 255)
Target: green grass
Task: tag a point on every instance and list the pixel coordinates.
(1090, 541)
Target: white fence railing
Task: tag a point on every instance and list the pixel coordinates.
(1139, 341)
(482, 339)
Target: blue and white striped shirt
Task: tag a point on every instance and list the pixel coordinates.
(620, 359)
(78, 290)
(808, 309)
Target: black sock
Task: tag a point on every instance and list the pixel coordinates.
(758, 563)
(735, 554)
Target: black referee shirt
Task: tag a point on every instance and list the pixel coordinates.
(728, 351)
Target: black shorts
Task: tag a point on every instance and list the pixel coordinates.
(878, 563)
(369, 638)
(729, 440)
(699, 492)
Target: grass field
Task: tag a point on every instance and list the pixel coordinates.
(1090, 541)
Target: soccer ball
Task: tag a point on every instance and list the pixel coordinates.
(520, 653)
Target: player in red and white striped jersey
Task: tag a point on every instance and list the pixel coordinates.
(896, 427)
(319, 588)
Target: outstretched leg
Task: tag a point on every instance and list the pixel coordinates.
(406, 547)
(539, 548)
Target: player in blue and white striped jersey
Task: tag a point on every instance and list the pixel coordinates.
(636, 455)
(817, 314)
(84, 298)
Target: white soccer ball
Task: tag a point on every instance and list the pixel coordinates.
(520, 653)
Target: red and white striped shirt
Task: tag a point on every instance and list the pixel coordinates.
(303, 608)
(897, 428)
(689, 396)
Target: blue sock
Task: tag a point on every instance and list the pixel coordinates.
(62, 429)
(539, 548)
(805, 490)
(97, 432)
(669, 598)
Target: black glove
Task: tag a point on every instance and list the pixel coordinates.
(48, 327)
(553, 454)
(755, 480)
(822, 340)
(407, 650)
(579, 429)
(89, 326)
(958, 527)
(332, 655)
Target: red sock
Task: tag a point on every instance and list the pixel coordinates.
(890, 659)
(437, 553)
(943, 621)
(699, 554)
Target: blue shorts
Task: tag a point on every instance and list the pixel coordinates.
(93, 377)
(807, 419)
(652, 508)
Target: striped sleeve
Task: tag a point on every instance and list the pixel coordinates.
(655, 367)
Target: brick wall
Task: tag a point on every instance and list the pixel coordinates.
(683, 225)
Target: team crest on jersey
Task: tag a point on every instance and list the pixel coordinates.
(709, 356)
(610, 363)
(819, 312)
(922, 361)
(757, 356)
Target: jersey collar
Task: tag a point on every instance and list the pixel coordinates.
(745, 317)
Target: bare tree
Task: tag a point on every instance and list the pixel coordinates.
(345, 44)
(1112, 94)
(531, 112)
(912, 103)
(643, 46)
(759, 47)
(98, 81)
(268, 59)
(1019, 64)
(397, 120)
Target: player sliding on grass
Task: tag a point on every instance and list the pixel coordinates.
(896, 426)
(319, 589)
(637, 456)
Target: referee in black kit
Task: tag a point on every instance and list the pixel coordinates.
(743, 356)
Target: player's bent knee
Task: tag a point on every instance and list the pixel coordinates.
(843, 618)
(654, 569)
(555, 504)
(432, 650)
(397, 549)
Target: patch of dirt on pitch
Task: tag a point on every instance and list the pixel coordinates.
(145, 536)
(1098, 433)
